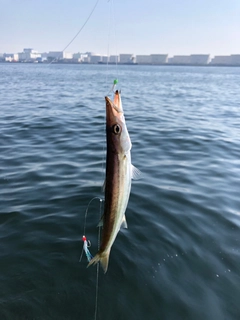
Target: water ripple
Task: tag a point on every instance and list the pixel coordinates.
(182, 245)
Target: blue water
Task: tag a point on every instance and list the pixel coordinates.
(180, 256)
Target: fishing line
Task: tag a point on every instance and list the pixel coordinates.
(106, 83)
(84, 226)
(96, 296)
(87, 252)
(115, 39)
(108, 44)
(111, 25)
(111, 30)
(86, 21)
(97, 277)
(87, 244)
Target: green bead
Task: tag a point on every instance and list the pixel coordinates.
(115, 81)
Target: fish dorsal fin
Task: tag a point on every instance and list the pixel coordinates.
(136, 173)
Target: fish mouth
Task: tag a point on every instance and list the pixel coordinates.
(116, 104)
(114, 110)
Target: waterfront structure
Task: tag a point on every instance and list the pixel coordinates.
(152, 59)
(86, 59)
(79, 57)
(10, 57)
(179, 59)
(44, 55)
(159, 58)
(59, 55)
(95, 58)
(235, 59)
(143, 59)
(126, 58)
(67, 55)
(199, 59)
(232, 60)
(113, 59)
(221, 60)
(55, 55)
(28, 55)
(193, 59)
(105, 59)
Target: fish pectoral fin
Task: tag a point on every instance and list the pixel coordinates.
(124, 223)
(136, 173)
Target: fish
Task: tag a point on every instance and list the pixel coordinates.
(119, 173)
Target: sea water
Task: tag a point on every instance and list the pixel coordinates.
(180, 256)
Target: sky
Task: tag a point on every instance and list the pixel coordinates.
(174, 27)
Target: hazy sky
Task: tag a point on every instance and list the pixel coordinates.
(134, 26)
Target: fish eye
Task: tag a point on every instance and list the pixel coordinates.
(116, 128)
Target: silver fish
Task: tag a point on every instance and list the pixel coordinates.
(119, 172)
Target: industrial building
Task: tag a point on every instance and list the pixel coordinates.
(95, 58)
(113, 59)
(221, 60)
(126, 58)
(143, 59)
(199, 59)
(152, 59)
(235, 59)
(105, 59)
(232, 60)
(59, 55)
(28, 54)
(181, 60)
(159, 58)
(193, 59)
(9, 57)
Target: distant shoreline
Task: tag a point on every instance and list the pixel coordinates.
(128, 64)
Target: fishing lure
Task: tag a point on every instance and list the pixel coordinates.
(86, 245)
(115, 82)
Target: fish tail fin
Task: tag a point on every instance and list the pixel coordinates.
(103, 258)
